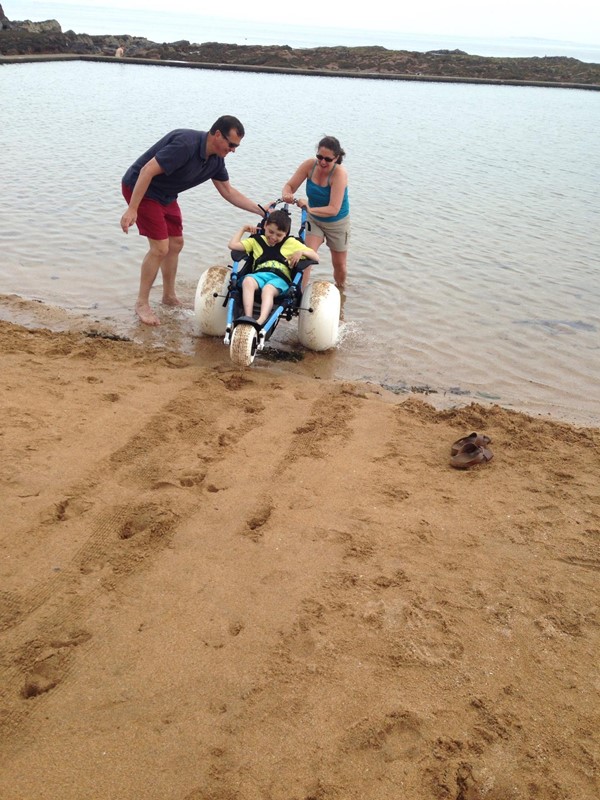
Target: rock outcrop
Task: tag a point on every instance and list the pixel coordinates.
(38, 38)
(4, 21)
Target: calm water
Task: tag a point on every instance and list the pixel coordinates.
(476, 232)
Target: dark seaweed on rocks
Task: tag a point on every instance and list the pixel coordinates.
(28, 38)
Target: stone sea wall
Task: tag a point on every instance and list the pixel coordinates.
(26, 38)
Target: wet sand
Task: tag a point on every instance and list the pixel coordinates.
(226, 585)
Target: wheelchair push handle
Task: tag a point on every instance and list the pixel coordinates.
(273, 205)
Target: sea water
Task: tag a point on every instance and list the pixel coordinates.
(473, 265)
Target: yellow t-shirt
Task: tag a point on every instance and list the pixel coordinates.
(290, 246)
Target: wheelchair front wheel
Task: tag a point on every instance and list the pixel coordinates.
(244, 341)
(211, 314)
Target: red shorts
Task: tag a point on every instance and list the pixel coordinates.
(155, 220)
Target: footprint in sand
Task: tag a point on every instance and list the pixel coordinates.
(257, 521)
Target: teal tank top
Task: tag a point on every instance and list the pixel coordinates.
(319, 196)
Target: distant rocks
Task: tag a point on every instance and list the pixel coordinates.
(48, 26)
(446, 53)
(24, 38)
(4, 21)
(47, 38)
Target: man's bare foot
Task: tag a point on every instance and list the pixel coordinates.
(171, 301)
(146, 315)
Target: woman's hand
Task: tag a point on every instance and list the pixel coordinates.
(302, 202)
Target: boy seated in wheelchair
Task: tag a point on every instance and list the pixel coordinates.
(274, 256)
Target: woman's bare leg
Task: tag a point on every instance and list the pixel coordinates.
(340, 270)
(314, 242)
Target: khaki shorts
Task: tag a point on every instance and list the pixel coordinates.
(336, 234)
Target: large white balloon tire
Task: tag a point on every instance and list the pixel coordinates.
(318, 328)
(211, 314)
(242, 349)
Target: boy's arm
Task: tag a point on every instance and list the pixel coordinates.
(310, 253)
(235, 243)
(304, 252)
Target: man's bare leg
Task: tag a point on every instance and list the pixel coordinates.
(168, 269)
(158, 249)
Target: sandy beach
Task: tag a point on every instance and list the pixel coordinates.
(226, 585)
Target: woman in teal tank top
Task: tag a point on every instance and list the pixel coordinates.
(327, 203)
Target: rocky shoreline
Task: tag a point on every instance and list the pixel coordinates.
(22, 39)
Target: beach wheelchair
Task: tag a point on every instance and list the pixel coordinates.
(219, 311)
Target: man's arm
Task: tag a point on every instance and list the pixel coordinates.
(236, 198)
(147, 172)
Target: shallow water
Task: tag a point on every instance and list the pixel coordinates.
(475, 240)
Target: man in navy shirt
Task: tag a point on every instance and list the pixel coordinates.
(180, 160)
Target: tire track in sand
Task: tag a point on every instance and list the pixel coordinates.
(138, 497)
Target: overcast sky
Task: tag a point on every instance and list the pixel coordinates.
(572, 20)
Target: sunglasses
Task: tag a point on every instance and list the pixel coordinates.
(232, 145)
(328, 159)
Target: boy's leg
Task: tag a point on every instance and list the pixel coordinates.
(168, 268)
(268, 295)
(249, 287)
(158, 249)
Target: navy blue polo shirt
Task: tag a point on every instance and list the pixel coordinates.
(182, 155)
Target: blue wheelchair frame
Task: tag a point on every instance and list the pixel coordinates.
(286, 305)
